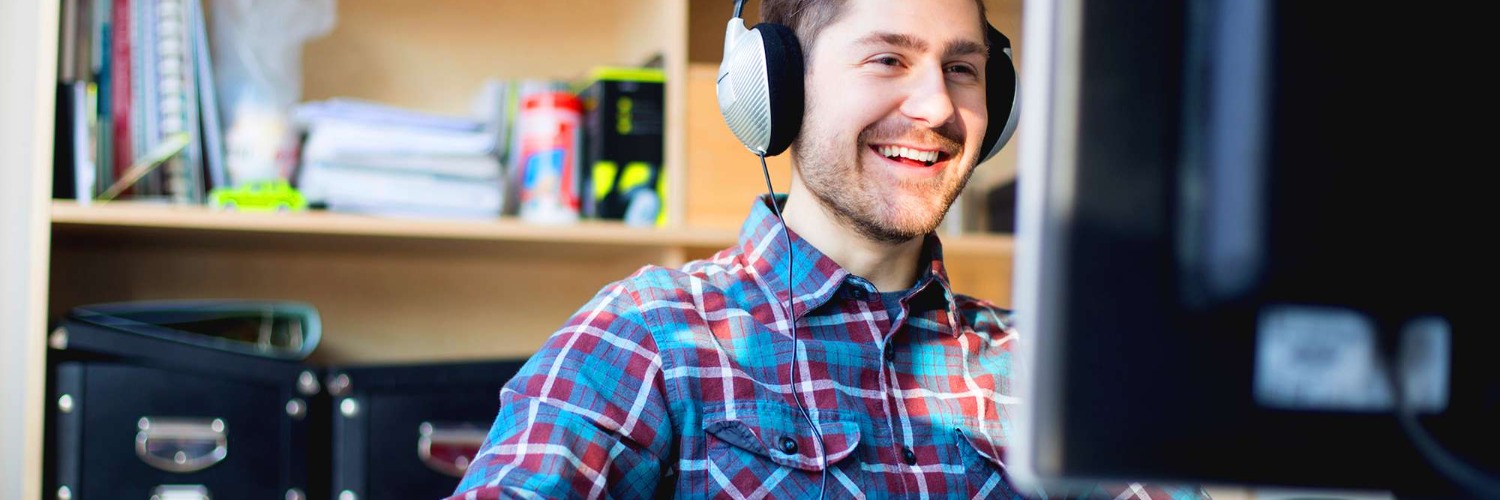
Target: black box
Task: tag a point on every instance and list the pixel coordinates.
(624, 119)
(409, 431)
(129, 415)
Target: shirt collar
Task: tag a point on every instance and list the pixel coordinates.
(815, 278)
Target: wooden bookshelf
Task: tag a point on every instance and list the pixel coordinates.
(392, 290)
(28, 59)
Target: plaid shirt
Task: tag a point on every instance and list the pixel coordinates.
(679, 382)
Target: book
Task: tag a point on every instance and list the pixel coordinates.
(103, 129)
(172, 97)
(342, 187)
(142, 91)
(83, 156)
(484, 166)
(119, 87)
(63, 153)
(375, 114)
(67, 42)
(146, 164)
(74, 156)
(335, 137)
(211, 128)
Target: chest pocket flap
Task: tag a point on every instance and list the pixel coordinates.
(987, 447)
(782, 435)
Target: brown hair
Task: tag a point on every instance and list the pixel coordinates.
(807, 18)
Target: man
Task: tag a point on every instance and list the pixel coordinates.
(681, 381)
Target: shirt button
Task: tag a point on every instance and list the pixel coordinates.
(890, 354)
(909, 456)
(788, 445)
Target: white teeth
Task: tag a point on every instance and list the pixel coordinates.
(905, 152)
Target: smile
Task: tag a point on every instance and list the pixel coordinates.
(911, 156)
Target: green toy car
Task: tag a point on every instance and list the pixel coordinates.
(260, 196)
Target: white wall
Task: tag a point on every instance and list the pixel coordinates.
(28, 41)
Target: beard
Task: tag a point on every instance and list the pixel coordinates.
(864, 198)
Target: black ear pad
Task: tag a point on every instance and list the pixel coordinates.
(784, 84)
(1000, 92)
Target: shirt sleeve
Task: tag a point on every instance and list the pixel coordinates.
(586, 416)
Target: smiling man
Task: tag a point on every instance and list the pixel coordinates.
(883, 382)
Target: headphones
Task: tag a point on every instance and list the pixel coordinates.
(760, 86)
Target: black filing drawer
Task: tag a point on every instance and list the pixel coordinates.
(130, 417)
(409, 431)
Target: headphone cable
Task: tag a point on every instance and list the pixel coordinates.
(791, 309)
(1460, 474)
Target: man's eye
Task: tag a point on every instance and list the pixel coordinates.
(962, 69)
(888, 61)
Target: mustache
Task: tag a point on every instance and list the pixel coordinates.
(948, 138)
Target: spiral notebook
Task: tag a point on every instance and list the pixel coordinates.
(172, 102)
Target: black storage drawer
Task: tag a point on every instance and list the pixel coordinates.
(408, 431)
(130, 429)
(129, 416)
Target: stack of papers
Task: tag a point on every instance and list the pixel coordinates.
(371, 158)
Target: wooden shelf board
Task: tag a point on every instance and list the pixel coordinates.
(69, 217)
(117, 218)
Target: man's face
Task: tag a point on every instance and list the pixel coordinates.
(896, 114)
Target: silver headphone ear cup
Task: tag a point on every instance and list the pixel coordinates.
(742, 89)
(760, 88)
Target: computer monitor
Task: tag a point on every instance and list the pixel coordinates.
(1249, 246)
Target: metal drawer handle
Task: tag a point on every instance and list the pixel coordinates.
(448, 448)
(181, 444)
(180, 492)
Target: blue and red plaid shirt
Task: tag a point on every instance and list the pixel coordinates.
(680, 382)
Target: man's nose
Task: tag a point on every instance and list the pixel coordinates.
(928, 101)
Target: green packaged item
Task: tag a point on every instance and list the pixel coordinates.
(624, 144)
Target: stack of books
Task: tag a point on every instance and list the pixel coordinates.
(369, 158)
(134, 75)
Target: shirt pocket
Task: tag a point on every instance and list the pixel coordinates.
(772, 447)
(983, 460)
